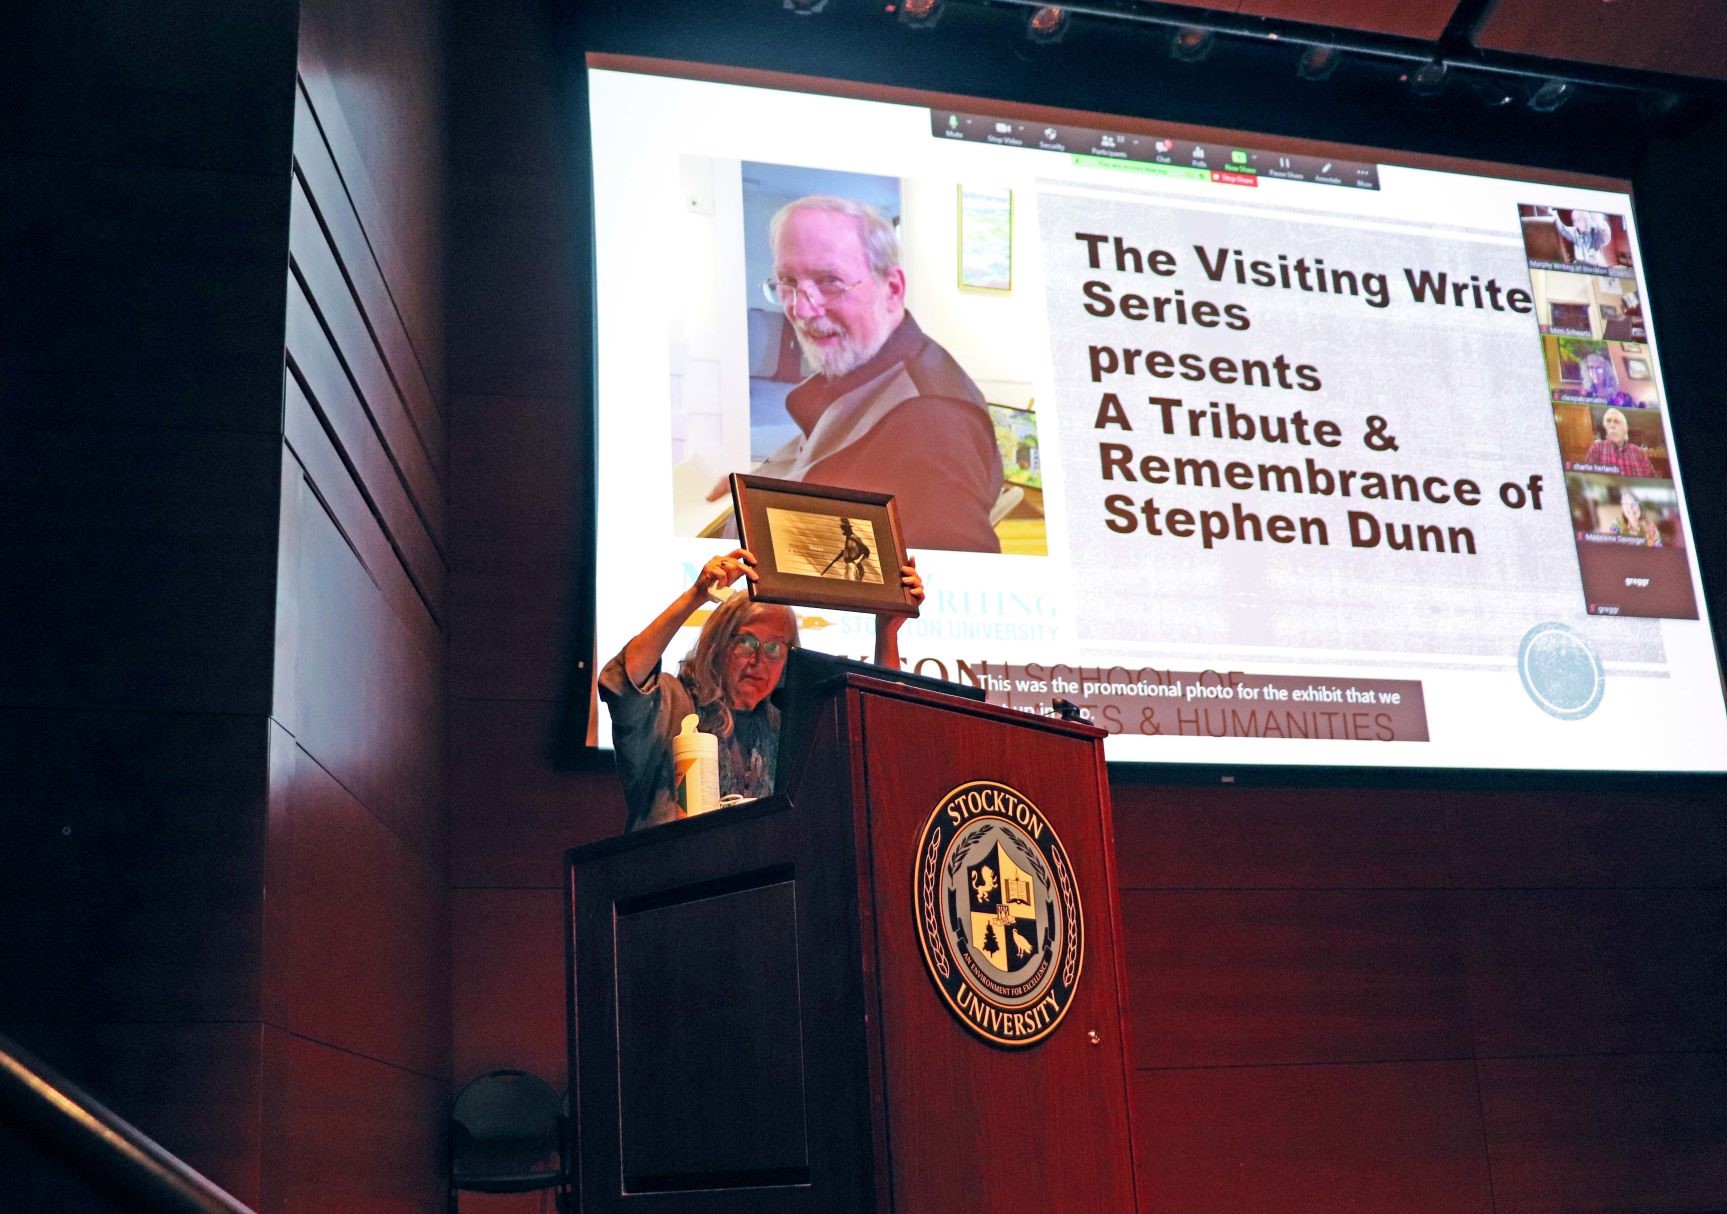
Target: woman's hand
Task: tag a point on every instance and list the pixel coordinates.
(887, 626)
(912, 580)
(724, 570)
(642, 653)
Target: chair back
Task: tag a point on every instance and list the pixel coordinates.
(505, 1120)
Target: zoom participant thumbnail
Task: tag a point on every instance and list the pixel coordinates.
(1582, 371)
(1587, 305)
(1570, 238)
(1605, 438)
(1630, 546)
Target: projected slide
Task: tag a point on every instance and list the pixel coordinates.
(1262, 455)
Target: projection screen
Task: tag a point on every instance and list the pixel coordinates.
(1302, 454)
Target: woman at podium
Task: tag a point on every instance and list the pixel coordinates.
(726, 681)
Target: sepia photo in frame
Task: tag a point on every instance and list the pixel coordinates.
(822, 546)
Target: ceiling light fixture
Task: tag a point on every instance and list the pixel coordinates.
(1047, 24)
(1430, 79)
(920, 14)
(1318, 62)
(1191, 44)
(1550, 96)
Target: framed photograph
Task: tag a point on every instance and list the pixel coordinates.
(1637, 368)
(985, 239)
(819, 546)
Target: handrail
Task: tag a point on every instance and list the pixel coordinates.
(102, 1149)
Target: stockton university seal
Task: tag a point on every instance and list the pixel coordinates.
(998, 913)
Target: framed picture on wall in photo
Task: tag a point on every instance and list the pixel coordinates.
(822, 546)
(985, 239)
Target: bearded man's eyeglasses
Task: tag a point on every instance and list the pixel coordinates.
(821, 290)
(773, 651)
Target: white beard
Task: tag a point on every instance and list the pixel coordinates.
(835, 360)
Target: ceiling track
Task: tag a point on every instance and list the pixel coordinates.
(1454, 47)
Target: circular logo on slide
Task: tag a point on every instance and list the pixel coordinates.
(1561, 671)
(998, 913)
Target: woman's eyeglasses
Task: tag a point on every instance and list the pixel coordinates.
(773, 651)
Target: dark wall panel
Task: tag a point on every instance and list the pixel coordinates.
(513, 577)
(1239, 838)
(312, 457)
(1642, 841)
(515, 330)
(342, 323)
(510, 603)
(511, 816)
(318, 177)
(1226, 978)
(141, 567)
(518, 472)
(499, 949)
(1393, 1138)
(182, 873)
(131, 865)
(357, 954)
(153, 294)
(366, 690)
(144, 213)
(318, 368)
(353, 947)
(1601, 1135)
(347, 1133)
(1589, 971)
(373, 73)
(192, 83)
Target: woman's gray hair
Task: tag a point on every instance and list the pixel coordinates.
(875, 231)
(704, 669)
(1600, 368)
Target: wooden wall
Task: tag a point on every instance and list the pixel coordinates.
(222, 670)
(356, 974)
(1426, 1002)
(518, 474)
(144, 218)
(1392, 1001)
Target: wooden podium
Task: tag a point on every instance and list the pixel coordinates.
(755, 1026)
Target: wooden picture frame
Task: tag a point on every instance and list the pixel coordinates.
(1637, 368)
(822, 546)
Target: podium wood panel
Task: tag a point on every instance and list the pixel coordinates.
(753, 1022)
(1053, 1116)
(686, 959)
(718, 1026)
